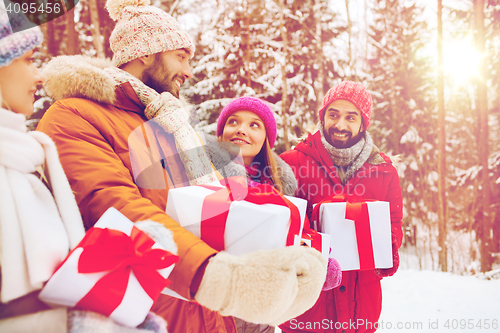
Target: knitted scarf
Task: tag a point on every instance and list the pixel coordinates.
(37, 227)
(257, 176)
(173, 117)
(351, 158)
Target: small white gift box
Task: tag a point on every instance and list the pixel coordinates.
(242, 226)
(360, 233)
(120, 284)
(318, 241)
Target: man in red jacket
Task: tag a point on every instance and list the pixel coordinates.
(339, 158)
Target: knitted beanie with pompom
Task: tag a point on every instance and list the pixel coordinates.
(15, 38)
(143, 30)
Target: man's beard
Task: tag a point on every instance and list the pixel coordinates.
(351, 141)
(158, 77)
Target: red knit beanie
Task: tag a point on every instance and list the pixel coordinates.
(353, 92)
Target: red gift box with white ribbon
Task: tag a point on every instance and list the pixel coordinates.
(360, 232)
(116, 270)
(231, 217)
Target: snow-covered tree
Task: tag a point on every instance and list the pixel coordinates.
(404, 113)
(240, 52)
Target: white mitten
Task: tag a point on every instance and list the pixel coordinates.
(80, 321)
(265, 287)
(159, 234)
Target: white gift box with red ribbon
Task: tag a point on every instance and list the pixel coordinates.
(116, 270)
(360, 233)
(318, 241)
(236, 218)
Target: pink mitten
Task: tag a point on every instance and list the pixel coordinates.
(333, 275)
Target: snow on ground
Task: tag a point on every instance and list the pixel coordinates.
(429, 301)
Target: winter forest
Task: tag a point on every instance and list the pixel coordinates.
(432, 66)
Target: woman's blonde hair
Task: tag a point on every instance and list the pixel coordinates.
(269, 166)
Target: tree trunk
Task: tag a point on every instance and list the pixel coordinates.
(72, 37)
(96, 28)
(248, 50)
(349, 29)
(52, 45)
(483, 142)
(443, 251)
(319, 82)
(284, 98)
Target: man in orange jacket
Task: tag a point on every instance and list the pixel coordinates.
(100, 125)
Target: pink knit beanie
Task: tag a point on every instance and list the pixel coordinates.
(142, 30)
(254, 105)
(353, 92)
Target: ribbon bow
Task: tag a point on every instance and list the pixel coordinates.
(216, 208)
(120, 254)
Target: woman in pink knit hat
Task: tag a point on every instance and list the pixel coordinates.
(247, 126)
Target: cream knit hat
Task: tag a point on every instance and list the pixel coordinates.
(142, 30)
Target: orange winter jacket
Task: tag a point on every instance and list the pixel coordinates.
(92, 139)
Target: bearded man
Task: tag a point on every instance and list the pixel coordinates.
(340, 159)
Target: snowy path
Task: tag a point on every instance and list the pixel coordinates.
(428, 301)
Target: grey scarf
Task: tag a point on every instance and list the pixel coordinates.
(348, 160)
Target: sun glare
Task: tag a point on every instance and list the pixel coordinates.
(461, 61)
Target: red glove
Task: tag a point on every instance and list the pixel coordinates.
(384, 272)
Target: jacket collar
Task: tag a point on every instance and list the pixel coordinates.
(85, 77)
(313, 147)
(126, 99)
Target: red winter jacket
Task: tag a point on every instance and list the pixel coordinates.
(356, 304)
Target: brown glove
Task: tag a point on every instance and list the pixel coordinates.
(265, 287)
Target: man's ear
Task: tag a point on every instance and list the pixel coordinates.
(362, 127)
(147, 59)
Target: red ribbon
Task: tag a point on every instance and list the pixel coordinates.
(215, 208)
(120, 254)
(315, 238)
(357, 212)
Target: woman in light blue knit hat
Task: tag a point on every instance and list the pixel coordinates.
(38, 224)
(39, 219)
(19, 77)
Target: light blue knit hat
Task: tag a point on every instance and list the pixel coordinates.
(15, 37)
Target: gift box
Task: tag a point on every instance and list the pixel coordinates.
(317, 240)
(360, 233)
(238, 219)
(116, 270)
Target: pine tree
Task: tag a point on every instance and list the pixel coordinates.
(241, 53)
(404, 104)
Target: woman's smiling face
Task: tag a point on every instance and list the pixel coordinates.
(247, 130)
(18, 83)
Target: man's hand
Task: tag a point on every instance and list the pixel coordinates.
(265, 287)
